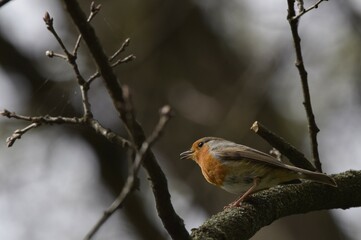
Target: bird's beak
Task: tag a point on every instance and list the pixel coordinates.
(186, 155)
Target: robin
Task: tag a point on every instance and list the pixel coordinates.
(243, 170)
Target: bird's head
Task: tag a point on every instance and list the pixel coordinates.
(203, 144)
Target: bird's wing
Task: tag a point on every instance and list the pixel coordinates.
(241, 152)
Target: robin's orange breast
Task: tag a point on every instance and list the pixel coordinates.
(212, 169)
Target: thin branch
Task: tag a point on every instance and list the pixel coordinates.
(296, 157)
(122, 48)
(124, 60)
(71, 58)
(19, 133)
(110, 135)
(52, 54)
(120, 61)
(49, 120)
(312, 126)
(49, 21)
(96, 50)
(84, 89)
(93, 11)
(267, 206)
(35, 122)
(93, 77)
(303, 11)
(165, 114)
(111, 58)
(42, 119)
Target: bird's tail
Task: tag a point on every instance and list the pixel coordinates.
(318, 177)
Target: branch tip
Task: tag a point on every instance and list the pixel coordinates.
(95, 8)
(166, 111)
(255, 127)
(48, 20)
(49, 54)
(5, 113)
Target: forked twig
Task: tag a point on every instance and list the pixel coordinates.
(35, 122)
(122, 48)
(71, 58)
(94, 9)
(124, 60)
(49, 120)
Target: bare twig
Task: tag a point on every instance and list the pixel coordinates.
(302, 10)
(111, 58)
(71, 59)
(110, 135)
(36, 122)
(40, 120)
(122, 48)
(93, 11)
(312, 126)
(120, 61)
(124, 60)
(97, 52)
(52, 54)
(295, 156)
(49, 21)
(19, 133)
(93, 77)
(165, 114)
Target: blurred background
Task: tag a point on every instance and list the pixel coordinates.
(221, 64)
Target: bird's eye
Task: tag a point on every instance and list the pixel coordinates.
(200, 144)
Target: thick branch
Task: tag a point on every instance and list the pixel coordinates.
(267, 206)
(312, 126)
(171, 221)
